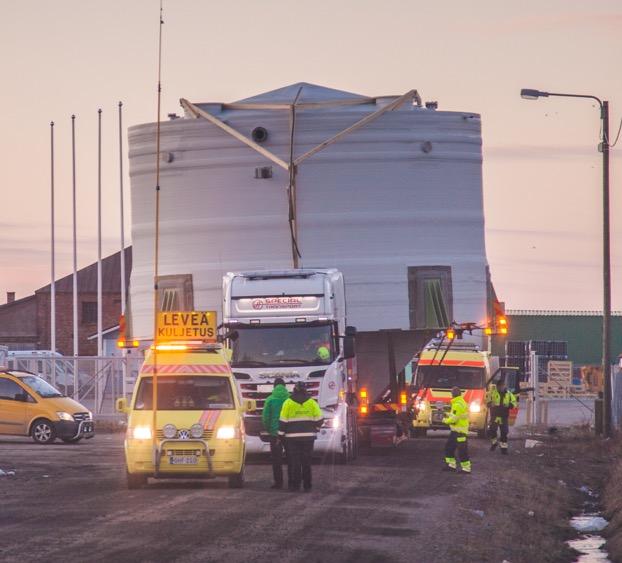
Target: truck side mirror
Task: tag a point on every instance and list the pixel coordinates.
(121, 406)
(348, 347)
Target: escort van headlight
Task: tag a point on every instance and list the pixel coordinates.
(226, 433)
(420, 405)
(169, 431)
(142, 433)
(475, 407)
(196, 431)
(64, 416)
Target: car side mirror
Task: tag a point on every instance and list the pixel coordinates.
(249, 405)
(121, 406)
(348, 347)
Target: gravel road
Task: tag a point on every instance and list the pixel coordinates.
(70, 503)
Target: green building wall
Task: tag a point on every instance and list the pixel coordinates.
(583, 332)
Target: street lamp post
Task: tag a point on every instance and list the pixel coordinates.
(529, 94)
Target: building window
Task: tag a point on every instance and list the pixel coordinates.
(430, 297)
(89, 312)
(175, 293)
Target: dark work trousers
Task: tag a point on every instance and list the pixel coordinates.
(500, 423)
(299, 453)
(276, 453)
(453, 444)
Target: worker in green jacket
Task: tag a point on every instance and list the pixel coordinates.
(301, 419)
(270, 417)
(500, 400)
(458, 421)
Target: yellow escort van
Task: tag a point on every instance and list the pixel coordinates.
(199, 429)
(29, 406)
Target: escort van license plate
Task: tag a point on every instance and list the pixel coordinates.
(183, 460)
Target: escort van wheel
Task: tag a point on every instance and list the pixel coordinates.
(236, 481)
(71, 440)
(43, 432)
(136, 481)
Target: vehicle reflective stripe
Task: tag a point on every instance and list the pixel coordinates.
(185, 368)
(446, 362)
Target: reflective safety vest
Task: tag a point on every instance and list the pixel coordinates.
(508, 401)
(458, 417)
(300, 421)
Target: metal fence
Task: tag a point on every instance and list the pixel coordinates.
(94, 381)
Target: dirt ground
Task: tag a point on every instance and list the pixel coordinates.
(70, 503)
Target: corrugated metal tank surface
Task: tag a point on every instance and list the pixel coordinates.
(405, 190)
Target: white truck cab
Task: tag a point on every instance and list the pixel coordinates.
(292, 324)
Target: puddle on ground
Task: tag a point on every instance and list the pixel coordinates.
(590, 545)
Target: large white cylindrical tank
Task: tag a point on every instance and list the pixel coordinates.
(403, 191)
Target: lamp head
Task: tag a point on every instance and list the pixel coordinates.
(529, 94)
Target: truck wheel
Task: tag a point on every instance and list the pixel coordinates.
(43, 431)
(136, 480)
(236, 481)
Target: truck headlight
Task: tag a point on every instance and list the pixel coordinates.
(64, 415)
(142, 433)
(475, 407)
(196, 431)
(225, 433)
(169, 431)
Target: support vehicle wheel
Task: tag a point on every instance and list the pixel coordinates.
(136, 481)
(236, 481)
(71, 440)
(43, 431)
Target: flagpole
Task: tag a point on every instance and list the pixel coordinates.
(75, 259)
(53, 253)
(100, 342)
(122, 254)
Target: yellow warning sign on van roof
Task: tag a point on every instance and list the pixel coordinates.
(186, 325)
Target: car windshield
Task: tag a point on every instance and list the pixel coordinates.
(40, 387)
(446, 377)
(186, 393)
(283, 346)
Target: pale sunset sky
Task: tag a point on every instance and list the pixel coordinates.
(542, 171)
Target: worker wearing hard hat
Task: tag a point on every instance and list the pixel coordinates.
(458, 421)
(300, 420)
(500, 400)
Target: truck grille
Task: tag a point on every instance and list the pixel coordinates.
(249, 391)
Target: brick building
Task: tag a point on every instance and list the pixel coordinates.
(25, 323)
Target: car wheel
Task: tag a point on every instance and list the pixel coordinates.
(43, 431)
(236, 481)
(136, 480)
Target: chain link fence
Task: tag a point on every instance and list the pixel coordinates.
(94, 381)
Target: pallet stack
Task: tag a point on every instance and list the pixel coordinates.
(559, 380)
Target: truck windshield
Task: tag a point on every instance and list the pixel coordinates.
(446, 377)
(186, 393)
(283, 346)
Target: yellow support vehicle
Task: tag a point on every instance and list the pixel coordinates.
(199, 429)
